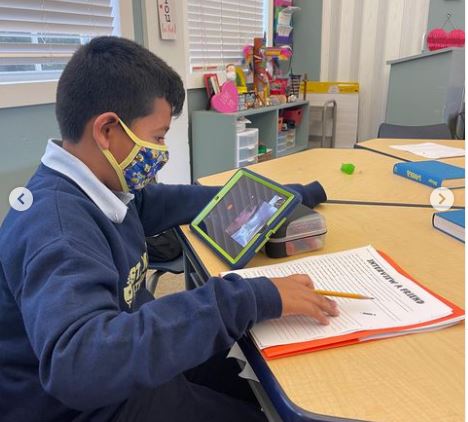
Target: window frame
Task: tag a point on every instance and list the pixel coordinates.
(195, 80)
(18, 93)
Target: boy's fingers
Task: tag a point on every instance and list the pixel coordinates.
(325, 304)
(303, 279)
(334, 305)
(316, 313)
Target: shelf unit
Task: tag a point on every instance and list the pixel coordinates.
(214, 138)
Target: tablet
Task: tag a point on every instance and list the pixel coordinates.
(243, 215)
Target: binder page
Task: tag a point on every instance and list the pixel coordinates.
(431, 150)
(398, 301)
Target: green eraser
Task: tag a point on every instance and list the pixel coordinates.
(348, 168)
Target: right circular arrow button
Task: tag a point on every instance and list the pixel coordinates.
(442, 199)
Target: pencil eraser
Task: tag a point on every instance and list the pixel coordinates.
(348, 168)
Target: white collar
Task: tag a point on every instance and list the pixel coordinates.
(112, 204)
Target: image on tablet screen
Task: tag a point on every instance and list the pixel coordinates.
(241, 214)
(251, 220)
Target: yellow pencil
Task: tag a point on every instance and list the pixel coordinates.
(341, 294)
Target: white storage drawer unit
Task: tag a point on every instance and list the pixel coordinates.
(247, 147)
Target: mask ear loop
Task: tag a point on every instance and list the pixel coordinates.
(129, 157)
(118, 170)
(141, 142)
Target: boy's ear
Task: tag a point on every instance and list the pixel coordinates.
(104, 129)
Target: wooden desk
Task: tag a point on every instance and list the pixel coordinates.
(382, 146)
(372, 181)
(418, 377)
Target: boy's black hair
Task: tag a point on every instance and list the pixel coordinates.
(113, 74)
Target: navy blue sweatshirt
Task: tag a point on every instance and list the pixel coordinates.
(79, 332)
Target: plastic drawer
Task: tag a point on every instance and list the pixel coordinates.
(247, 138)
(281, 140)
(243, 163)
(291, 138)
(281, 149)
(247, 153)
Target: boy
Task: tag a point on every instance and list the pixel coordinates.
(80, 336)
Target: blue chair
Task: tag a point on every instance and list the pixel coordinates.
(439, 131)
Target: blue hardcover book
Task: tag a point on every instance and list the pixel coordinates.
(432, 173)
(451, 222)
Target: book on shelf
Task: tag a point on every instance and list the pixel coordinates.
(432, 173)
(451, 222)
(401, 305)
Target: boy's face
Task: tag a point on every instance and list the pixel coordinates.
(105, 132)
(151, 128)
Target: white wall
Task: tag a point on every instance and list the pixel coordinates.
(358, 37)
(177, 170)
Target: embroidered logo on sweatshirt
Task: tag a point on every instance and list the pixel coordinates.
(136, 277)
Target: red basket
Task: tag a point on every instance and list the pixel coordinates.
(294, 114)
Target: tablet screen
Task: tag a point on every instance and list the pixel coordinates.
(241, 213)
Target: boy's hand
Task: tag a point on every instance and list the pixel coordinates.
(298, 297)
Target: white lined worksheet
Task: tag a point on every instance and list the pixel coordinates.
(398, 301)
(431, 150)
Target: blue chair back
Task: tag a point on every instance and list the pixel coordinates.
(439, 131)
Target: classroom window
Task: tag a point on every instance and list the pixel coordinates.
(38, 37)
(218, 30)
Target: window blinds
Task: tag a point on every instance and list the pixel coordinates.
(218, 30)
(47, 32)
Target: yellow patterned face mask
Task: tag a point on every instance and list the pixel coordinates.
(140, 166)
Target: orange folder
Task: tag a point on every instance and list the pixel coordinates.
(361, 336)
